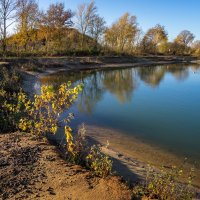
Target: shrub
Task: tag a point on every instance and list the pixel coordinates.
(80, 148)
(9, 107)
(43, 113)
(164, 185)
(98, 162)
(9, 80)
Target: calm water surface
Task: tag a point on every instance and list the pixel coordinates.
(160, 105)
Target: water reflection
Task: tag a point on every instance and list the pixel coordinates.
(121, 83)
(92, 92)
(152, 75)
(179, 72)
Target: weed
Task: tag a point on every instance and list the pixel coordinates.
(164, 185)
(98, 162)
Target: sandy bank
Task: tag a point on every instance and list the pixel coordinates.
(48, 65)
(31, 169)
(132, 155)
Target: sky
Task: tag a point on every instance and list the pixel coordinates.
(175, 15)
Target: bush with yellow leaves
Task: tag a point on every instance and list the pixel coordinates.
(43, 113)
(43, 116)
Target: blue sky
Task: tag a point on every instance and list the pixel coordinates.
(175, 15)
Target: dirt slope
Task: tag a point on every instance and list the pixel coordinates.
(32, 169)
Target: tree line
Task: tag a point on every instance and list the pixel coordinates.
(26, 30)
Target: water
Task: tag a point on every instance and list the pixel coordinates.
(160, 105)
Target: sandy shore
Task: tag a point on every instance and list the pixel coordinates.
(132, 155)
(33, 169)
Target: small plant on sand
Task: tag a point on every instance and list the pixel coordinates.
(80, 147)
(43, 113)
(91, 157)
(98, 162)
(164, 185)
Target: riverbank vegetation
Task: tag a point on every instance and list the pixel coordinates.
(41, 116)
(26, 30)
(10, 82)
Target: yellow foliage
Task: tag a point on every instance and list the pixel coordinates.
(44, 111)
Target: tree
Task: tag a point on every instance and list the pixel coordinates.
(196, 48)
(182, 42)
(185, 38)
(85, 16)
(122, 34)
(28, 17)
(155, 39)
(7, 9)
(97, 28)
(55, 22)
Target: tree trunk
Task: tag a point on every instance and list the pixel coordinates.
(4, 35)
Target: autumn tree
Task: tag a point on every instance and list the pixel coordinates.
(182, 42)
(28, 18)
(185, 38)
(121, 36)
(196, 48)
(155, 40)
(7, 11)
(55, 22)
(85, 17)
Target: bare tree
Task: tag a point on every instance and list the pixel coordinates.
(55, 21)
(7, 9)
(185, 38)
(97, 28)
(57, 17)
(85, 15)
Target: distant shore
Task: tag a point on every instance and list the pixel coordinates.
(41, 66)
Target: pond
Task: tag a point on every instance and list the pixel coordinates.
(160, 105)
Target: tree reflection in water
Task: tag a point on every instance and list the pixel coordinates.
(121, 83)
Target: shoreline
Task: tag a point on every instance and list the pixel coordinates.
(43, 66)
(136, 164)
(136, 155)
